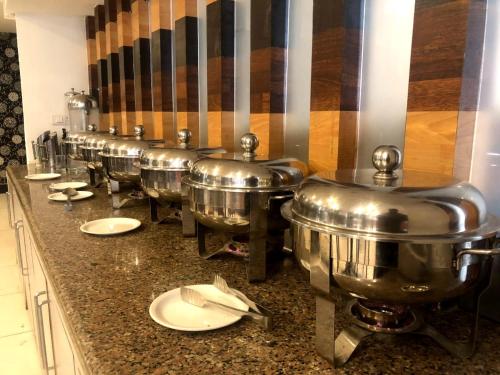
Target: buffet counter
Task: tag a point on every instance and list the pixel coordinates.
(105, 285)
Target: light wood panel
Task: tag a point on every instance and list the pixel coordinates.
(112, 59)
(437, 58)
(142, 68)
(269, 23)
(162, 67)
(220, 73)
(102, 67)
(126, 65)
(186, 52)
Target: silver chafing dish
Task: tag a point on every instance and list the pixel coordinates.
(241, 193)
(393, 240)
(162, 170)
(120, 160)
(73, 142)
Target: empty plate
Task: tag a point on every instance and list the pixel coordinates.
(110, 226)
(60, 197)
(169, 310)
(42, 176)
(60, 186)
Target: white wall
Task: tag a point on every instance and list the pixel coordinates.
(52, 58)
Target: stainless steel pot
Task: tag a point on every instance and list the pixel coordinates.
(404, 237)
(74, 141)
(120, 157)
(162, 169)
(238, 193)
(389, 237)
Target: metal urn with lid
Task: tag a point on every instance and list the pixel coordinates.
(83, 111)
(120, 160)
(394, 240)
(162, 170)
(241, 193)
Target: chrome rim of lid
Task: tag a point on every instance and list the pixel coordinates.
(246, 171)
(385, 203)
(124, 147)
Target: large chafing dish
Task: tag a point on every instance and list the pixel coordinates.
(120, 160)
(162, 170)
(241, 193)
(73, 142)
(394, 240)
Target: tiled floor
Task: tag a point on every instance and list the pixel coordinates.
(18, 355)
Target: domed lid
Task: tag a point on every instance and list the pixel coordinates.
(390, 203)
(124, 147)
(246, 171)
(82, 101)
(79, 137)
(174, 157)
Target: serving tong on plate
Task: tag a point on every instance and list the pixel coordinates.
(260, 314)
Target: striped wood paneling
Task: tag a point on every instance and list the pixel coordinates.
(102, 65)
(469, 97)
(113, 63)
(142, 68)
(126, 65)
(267, 73)
(336, 55)
(220, 73)
(92, 56)
(161, 19)
(437, 59)
(186, 63)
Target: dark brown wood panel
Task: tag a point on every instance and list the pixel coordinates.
(269, 22)
(112, 59)
(126, 65)
(469, 95)
(220, 73)
(437, 61)
(350, 90)
(186, 52)
(92, 56)
(142, 67)
(102, 66)
(162, 67)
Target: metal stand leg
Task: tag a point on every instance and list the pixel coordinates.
(153, 209)
(257, 244)
(92, 178)
(347, 342)
(200, 233)
(188, 222)
(325, 324)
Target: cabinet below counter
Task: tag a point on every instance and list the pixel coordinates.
(89, 298)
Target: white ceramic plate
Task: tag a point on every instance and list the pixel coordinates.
(169, 310)
(110, 226)
(42, 176)
(60, 186)
(60, 197)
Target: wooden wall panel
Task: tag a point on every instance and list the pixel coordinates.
(186, 52)
(102, 67)
(112, 59)
(142, 68)
(220, 73)
(92, 56)
(126, 65)
(437, 58)
(269, 24)
(336, 55)
(161, 19)
(471, 85)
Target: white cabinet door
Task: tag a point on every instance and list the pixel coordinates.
(64, 361)
(42, 314)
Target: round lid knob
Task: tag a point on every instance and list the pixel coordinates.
(139, 131)
(113, 130)
(91, 127)
(386, 158)
(184, 136)
(249, 143)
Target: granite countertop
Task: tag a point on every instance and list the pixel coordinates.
(105, 287)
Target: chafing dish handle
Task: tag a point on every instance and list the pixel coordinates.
(483, 252)
(279, 197)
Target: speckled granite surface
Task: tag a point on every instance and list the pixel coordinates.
(105, 286)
